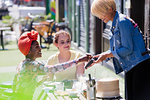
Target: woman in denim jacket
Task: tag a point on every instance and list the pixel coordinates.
(127, 50)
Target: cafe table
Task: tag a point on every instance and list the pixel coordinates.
(50, 92)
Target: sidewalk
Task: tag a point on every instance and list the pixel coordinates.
(8, 69)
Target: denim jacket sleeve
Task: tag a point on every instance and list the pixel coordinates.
(126, 47)
(126, 44)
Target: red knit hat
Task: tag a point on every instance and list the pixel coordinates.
(25, 40)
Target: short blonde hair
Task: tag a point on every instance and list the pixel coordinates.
(57, 34)
(102, 6)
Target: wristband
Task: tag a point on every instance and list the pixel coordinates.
(74, 61)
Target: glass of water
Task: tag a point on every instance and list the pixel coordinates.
(59, 86)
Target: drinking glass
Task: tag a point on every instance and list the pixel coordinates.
(59, 86)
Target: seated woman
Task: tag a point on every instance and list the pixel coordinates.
(25, 81)
(62, 40)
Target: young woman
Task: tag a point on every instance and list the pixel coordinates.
(62, 40)
(127, 49)
(25, 81)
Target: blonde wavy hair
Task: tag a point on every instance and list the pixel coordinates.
(57, 34)
(102, 6)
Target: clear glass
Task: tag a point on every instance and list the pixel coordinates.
(59, 86)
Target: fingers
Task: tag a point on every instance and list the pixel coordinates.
(89, 56)
(84, 58)
(101, 59)
(95, 59)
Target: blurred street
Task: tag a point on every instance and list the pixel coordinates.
(88, 33)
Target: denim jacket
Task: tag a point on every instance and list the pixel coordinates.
(126, 44)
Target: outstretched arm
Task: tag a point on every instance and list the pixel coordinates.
(99, 58)
(103, 56)
(63, 66)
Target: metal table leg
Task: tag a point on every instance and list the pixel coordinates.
(2, 42)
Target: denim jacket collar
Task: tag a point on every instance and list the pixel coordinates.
(114, 21)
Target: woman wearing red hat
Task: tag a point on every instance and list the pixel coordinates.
(25, 81)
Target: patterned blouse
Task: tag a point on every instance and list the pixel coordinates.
(25, 81)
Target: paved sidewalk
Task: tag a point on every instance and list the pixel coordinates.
(8, 69)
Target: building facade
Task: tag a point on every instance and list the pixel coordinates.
(92, 35)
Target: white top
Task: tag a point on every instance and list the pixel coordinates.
(67, 74)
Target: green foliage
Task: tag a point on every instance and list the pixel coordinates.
(8, 20)
(6, 17)
(48, 16)
(5, 21)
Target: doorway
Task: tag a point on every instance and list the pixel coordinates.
(147, 23)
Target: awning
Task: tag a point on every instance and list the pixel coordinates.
(27, 0)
